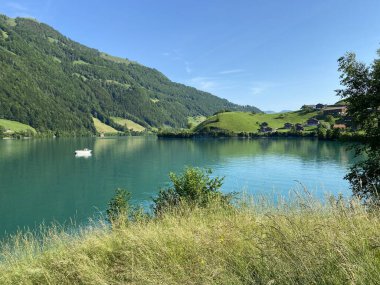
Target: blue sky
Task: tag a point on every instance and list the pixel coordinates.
(274, 54)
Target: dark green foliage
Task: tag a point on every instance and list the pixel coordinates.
(365, 179)
(194, 187)
(2, 131)
(175, 134)
(329, 119)
(54, 84)
(225, 111)
(362, 94)
(306, 109)
(118, 207)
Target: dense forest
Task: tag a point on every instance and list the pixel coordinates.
(55, 84)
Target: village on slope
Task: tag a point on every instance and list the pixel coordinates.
(328, 113)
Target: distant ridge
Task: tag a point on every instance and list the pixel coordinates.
(55, 84)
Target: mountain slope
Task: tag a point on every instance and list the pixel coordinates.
(52, 83)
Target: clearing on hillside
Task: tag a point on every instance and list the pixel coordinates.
(103, 128)
(131, 125)
(14, 126)
(114, 58)
(195, 121)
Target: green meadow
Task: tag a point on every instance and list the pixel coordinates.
(14, 126)
(249, 122)
(129, 124)
(103, 128)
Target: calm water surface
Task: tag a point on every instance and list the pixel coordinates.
(42, 181)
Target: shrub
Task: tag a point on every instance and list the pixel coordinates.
(194, 186)
(118, 207)
(2, 131)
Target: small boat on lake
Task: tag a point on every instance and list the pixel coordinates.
(83, 152)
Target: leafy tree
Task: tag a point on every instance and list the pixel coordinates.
(362, 94)
(2, 131)
(330, 119)
(321, 131)
(306, 109)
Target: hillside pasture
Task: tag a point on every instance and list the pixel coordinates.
(250, 122)
(103, 128)
(131, 125)
(13, 126)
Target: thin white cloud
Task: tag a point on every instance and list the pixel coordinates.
(187, 67)
(203, 83)
(19, 10)
(257, 90)
(166, 53)
(259, 87)
(17, 6)
(231, 71)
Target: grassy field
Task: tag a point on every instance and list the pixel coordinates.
(4, 34)
(15, 126)
(248, 122)
(114, 58)
(300, 243)
(103, 128)
(128, 123)
(195, 121)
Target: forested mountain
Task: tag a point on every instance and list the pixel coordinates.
(55, 84)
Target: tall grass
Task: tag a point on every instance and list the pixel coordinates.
(298, 242)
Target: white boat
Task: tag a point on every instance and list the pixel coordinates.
(83, 152)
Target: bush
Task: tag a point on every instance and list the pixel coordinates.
(194, 187)
(118, 207)
(364, 177)
(2, 131)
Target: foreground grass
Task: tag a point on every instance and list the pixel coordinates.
(303, 243)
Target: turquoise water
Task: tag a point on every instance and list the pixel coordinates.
(42, 181)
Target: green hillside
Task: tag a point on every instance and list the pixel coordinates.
(52, 83)
(248, 122)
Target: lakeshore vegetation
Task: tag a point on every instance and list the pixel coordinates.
(197, 235)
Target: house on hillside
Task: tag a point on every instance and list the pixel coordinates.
(340, 126)
(288, 125)
(335, 110)
(299, 127)
(266, 129)
(312, 122)
(320, 106)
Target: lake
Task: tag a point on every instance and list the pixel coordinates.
(42, 181)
